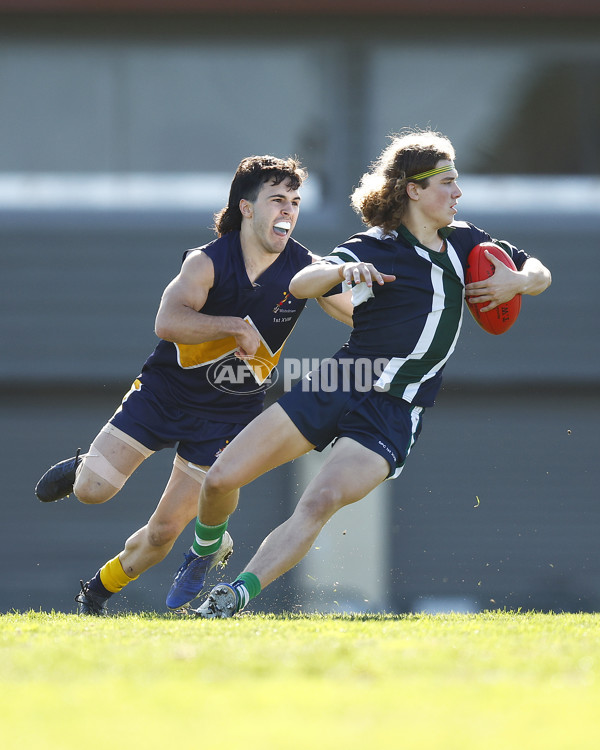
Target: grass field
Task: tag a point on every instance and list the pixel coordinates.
(493, 680)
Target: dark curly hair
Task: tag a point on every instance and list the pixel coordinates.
(381, 198)
(250, 176)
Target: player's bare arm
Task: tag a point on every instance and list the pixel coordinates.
(533, 278)
(317, 279)
(339, 307)
(179, 318)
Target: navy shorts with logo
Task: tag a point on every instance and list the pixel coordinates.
(384, 424)
(158, 425)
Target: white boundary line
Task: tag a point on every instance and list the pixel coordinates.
(503, 194)
(126, 192)
(516, 194)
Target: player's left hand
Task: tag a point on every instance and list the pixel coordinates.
(501, 286)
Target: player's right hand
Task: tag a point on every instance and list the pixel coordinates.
(355, 273)
(247, 340)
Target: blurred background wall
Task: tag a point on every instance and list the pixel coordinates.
(120, 130)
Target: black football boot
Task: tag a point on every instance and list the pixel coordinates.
(58, 481)
(91, 603)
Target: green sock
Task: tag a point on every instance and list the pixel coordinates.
(208, 538)
(246, 587)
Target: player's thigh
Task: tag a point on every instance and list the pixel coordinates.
(350, 472)
(107, 465)
(270, 440)
(122, 452)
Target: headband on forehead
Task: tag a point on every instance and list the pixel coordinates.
(431, 173)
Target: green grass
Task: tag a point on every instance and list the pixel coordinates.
(494, 680)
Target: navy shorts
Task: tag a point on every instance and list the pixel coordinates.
(386, 425)
(156, 425)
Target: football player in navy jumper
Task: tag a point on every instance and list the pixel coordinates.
(407, 278)
(229, 306)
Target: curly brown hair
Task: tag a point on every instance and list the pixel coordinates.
(250, 176)
(381, 198)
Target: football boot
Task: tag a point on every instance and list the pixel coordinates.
(189, 579)
(91, 603)
(58, 481)
(221, 603)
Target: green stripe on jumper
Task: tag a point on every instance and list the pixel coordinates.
(438, 336)
(344, 255)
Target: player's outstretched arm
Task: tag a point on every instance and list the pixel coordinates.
(317, 279)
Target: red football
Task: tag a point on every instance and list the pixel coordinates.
(501, 318)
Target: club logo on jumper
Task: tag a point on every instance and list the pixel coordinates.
(277, 307)
(234, 375)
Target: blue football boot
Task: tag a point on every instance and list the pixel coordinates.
(190, 578)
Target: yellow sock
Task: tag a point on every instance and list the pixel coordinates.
(113, 577)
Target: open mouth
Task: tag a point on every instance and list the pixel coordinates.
(282, 228)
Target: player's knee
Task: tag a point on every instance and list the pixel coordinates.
(162, 533)
(92, 490)
(97, 479)
(322, 503)
(217, 483)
